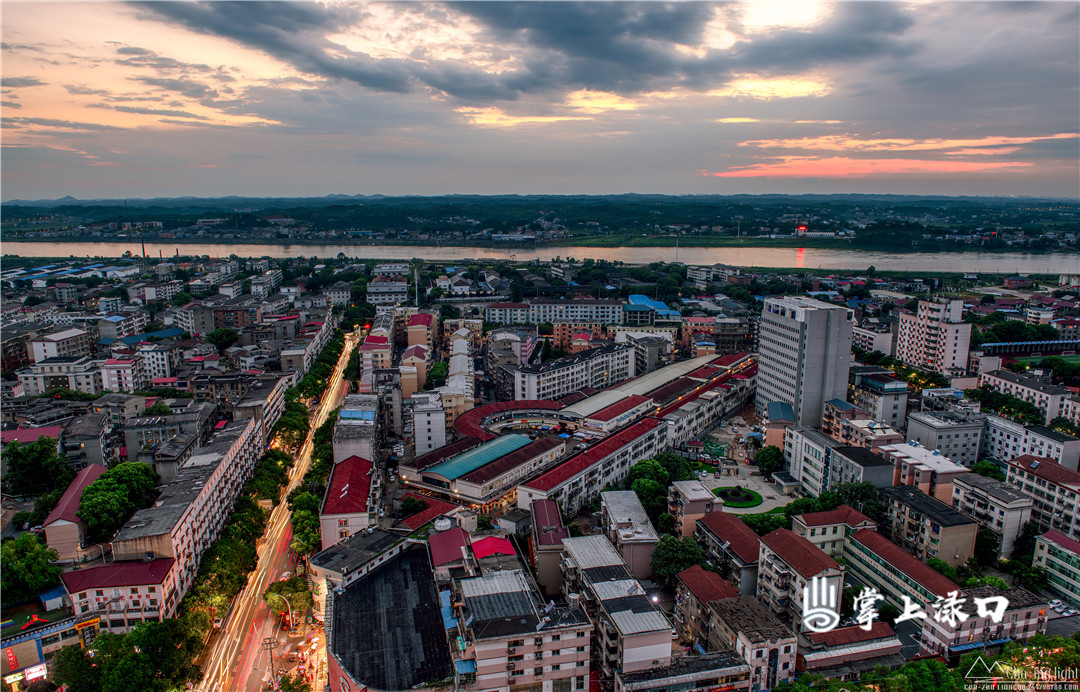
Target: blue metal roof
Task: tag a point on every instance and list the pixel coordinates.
(160, 334)
(465, 666)
(780, 410)
(840, 404)
(357, 415)
(660, 308)
(478, 456)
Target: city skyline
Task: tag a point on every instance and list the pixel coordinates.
(162, 99)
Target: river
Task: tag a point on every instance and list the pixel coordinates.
(801, 258)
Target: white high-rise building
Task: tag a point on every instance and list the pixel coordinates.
(429, 422)
(935, 337)
(804, 354)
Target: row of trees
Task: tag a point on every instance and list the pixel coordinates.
(1007, 405)
(315, 380)
(861, 496)
(305, 499)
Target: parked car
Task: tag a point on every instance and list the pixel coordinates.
(716, 474)
(704, 474)
(1069, 612)
(1054, 603)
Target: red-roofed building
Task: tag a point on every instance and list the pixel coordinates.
(846, 653)
(1052, 488)
(125, 593)
(829, 530)
(449, 549)
(1058, 555)
(421, 329)
(28, 435)
(347, 505)
(586, 473)
(876, 561)
(493, 545)
(732, 547)
(434, 510)
(618, 414)
(786, 564)
(474, 422)
(697, 588)
(545, 548)
(65, 532)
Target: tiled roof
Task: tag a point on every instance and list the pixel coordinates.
(850, 635)
(26, 435)
(472, 422)
(1047, 469)
(547, 523)
(446, 546)
(905, 562)
(69, 502)
(349, 487)
(841, 515)
(493, 545)
(618, 408)
(707, 586)
(1062, 540)
(421, 318)
(117, 574)
(586, 458)
(445, 452)
(729, 527)
(802, 555)
(435, 508)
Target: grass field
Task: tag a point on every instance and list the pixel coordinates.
(1034, 360)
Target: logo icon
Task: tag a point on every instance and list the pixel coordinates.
(979, 670)
(820, 613)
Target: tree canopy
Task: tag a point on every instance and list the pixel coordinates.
(36, 467)
(223, 338)
(110, 501)
(672, 555)
(26, 569)
(770, 459)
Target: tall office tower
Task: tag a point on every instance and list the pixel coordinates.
(934, 338)
(804, 352)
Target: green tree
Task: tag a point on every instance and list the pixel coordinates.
(678, 468)
(942, 567)
(436, 377)
(412, 505)
(650, 469)
(484, 523)
(985, 467)
(770, 459)
(653, 496)
(288, 683)
(448, 311)
(110, 501)
(35, 467)
(665, 523)
(862, 496)
(987, 543)
(26, 569)
(44, 505)
(71, 667)
(672, 555)
(159, 409)
(292, 594)
(222, 338)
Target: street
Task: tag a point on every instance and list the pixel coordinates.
(236, 659)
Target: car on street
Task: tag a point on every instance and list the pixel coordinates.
(1069, 612)
(1054, 603)
(716, 474)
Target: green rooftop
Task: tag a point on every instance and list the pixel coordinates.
(478, 456)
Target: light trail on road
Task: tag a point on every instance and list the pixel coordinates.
(232, 657)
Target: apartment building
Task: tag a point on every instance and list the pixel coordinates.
(874, 337)
(348, 505)
(695, 588)
(732, 548)
(429, 422)
(582, 476)
(928, 470)
(880, 394)
(65, 531)
(724, 670)
(545, 549)
(1059, 555)
(631, 634)
(956, 434)
(927, 527)
(1053, 489)
(124, 594)
(868, 434)
(359, 430)
(808, 454)
(79, 373)
(624, 521)
(191, 511)
(786, 564)
(874, 560)
(388, 290)
(829, 531)
(120, 326)
(598, 368)
(125, 374)
(69, 343)
(749, 628)
(511, 639)
(1024, 617)
(86, 441)
(835, 412)
(804, 352)
(1006, 439)
(995, 504)
(848, 653)
(688, 502)
(935, 337)
(1036, 390)
(858, 465)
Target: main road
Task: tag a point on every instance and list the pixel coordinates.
(236, 659)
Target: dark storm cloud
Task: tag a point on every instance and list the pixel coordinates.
(22, 82)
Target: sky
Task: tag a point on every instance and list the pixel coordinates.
(163, 99)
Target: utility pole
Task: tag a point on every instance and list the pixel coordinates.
(268, 644)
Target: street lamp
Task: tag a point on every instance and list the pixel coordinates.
(290, 609)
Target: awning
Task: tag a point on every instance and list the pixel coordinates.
(464, 667)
